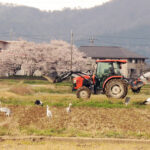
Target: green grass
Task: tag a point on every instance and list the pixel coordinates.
(60, 95)
(138, 135)
(65, 83)
(114, 134)
(104, 104)
(138, 105)
(14, 101)
(58, 90)
(63, 102)
(63, 132)
(9, 81)
(43, 132)
(36, 82)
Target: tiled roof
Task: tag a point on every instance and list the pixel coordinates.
(109, 52)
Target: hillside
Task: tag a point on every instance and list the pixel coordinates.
(118, 22)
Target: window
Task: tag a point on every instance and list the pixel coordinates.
(130, 60)
(133, 61)
(103, 68)
(133, 73)
(136, 61)
(116, 68)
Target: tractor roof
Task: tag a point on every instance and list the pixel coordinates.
(112, 60)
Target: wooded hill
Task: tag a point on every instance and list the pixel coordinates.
(119, 22)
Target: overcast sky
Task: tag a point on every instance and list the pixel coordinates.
(56, 4)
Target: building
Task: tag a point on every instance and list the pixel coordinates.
(136, 63)
(3, 45)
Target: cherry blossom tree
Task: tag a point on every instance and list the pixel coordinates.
(48, 58)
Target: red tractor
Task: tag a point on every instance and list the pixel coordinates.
(106, 79)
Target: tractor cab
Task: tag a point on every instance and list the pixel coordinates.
(107, 69)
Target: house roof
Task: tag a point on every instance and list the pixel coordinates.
(5, 42)
(109, 52)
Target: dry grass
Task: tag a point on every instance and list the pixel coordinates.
(71, 145)
(21, 90)
(84, 122)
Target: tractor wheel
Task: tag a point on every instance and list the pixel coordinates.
(116, 88)
(83, 93)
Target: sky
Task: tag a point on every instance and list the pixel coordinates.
(56, 4)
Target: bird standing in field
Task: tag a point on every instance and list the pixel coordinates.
(5, 110)
(48, 112)
(127, 100)
(68, 109)
(146, 102)
(38, 102)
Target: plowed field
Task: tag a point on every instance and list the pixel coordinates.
(82, 121)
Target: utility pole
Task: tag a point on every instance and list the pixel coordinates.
(71, 41)
(11, 34)
(91, 41)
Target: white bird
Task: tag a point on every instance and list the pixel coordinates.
(68, 109)
(147, 102)
(48, 112)
(127, 100)
(6, 110)
(146, 76)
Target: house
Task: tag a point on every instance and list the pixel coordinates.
(135, 63)
(3, 45)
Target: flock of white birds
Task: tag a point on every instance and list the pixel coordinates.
(8, 112)
(49, 113)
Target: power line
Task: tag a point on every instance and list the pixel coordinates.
(64, 35)
(85, 40)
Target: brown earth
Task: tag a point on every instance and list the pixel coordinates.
(90, 120)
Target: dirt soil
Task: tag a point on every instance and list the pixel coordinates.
(92, 120)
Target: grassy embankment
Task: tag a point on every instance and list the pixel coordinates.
(96, 117)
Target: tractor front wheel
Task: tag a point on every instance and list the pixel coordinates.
(83, 93)
(116, 88)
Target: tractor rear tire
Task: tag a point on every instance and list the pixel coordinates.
(83, 93)
(116, 88)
